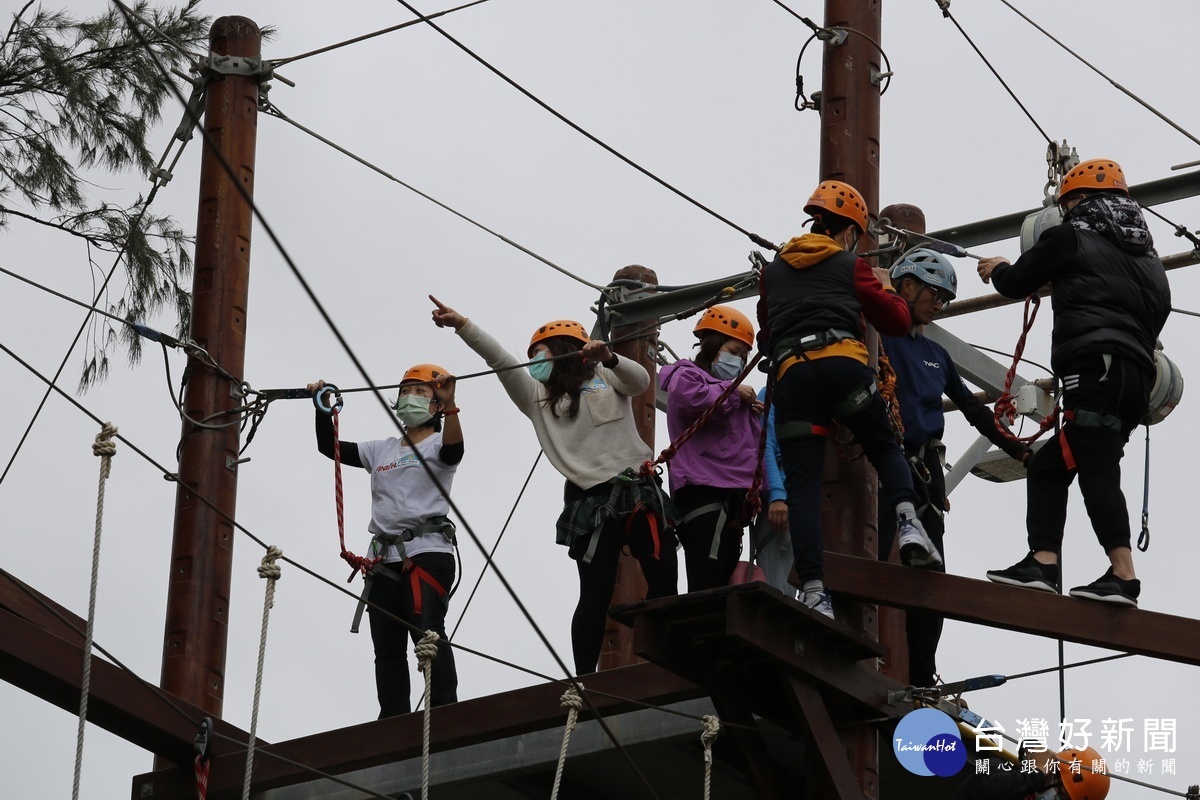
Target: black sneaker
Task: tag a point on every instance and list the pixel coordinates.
(1030, 573)
(1109, 588)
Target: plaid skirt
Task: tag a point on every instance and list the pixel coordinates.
(629, 493)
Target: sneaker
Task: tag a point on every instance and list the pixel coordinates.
(916, 548)
(819, 602)
(1030, 573)
(1109, 588)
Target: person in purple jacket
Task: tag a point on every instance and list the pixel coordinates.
(714, 469)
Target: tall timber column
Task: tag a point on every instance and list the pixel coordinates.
(195, 638)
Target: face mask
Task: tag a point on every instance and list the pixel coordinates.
(727, 366)
(541, 368)
(412, 410)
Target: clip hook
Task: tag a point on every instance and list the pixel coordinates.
(322, 406)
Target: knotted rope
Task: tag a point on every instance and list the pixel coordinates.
(105, 448)
(426, 651)
(572, 701)
(361, 564)
(712, 726)
(270, 571)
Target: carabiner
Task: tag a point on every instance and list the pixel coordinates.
(328, 388)
(203, 740)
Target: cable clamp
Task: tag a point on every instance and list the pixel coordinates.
(834, 37)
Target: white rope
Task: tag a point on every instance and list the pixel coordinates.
(270, 571)
(712, 726)
(426, 651)
(105, 448)
(573, 701)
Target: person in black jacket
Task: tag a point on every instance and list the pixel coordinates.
(1111, 300)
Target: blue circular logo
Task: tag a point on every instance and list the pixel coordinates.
(927, 743)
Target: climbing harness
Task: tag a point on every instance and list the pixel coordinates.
(270, 572)
(632, 493)
(105, 448)
(712, 726)
(572, 701)
(438, 524)
(426, 651)
(360, 564)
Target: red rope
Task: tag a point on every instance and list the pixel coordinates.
(203, 766)
(1005, 408)
(673, 448)
(359, 563)
(754, 495)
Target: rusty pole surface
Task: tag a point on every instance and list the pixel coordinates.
(617, 650)
(850, 153)
(196, 630)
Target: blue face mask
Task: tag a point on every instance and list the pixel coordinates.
(727, 366)
(541, 368)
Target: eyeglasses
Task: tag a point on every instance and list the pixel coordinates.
(940, 296)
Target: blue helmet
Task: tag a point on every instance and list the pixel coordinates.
(928, 267)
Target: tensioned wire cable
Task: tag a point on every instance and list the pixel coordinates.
(274, 111)
(278, 62)
(384, 404)
(580, 130)
(1096, 70)
(945, 7)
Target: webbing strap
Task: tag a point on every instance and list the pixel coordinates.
(722, 516)
(799, 429)
(417, 576)
(652, 521)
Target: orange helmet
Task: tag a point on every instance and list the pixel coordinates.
(729, 321)
(559, 327)
(841, 199)
(1098, 174)
(423, 373)
(1084, 784)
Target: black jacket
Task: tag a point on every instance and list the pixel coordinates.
(1106, 298)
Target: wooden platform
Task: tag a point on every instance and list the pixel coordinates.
(1072, 619)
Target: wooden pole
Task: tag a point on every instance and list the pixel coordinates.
(197, 618)
(850, 152)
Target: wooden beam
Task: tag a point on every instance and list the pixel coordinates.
(385, 741)
(50, 668)
(1114, 627)
(32, 606)
(811, 710)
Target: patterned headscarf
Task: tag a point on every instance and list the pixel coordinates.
(1117, 218)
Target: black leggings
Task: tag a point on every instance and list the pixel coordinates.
(697, 535)
(598, 577)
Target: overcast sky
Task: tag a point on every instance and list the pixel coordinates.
(700, 93)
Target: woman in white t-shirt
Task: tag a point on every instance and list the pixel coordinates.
(576, 394)
(410, 530)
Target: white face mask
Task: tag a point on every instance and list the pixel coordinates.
(412, 410)
(727, 366)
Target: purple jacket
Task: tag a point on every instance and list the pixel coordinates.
(722, 453)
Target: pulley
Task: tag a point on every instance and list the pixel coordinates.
(1038, 223)
(1167, 391)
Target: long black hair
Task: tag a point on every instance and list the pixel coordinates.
(568, 376)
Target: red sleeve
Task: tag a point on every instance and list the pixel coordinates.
(886, 310)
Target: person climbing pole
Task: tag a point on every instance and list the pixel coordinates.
(410, 533)
(815, 291)
(576, 392)
(926, 280)
(713, 470)
(1111, 301)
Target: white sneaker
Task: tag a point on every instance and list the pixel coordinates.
(916, 548)
(819, 602)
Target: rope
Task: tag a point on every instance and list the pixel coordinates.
(203, 767)
(572, 701)
(105, 448)
(1004, 409)
(359, 563)
(673, 448)
(270, 571)
(712, 726)
(887, 390)
(426, 651)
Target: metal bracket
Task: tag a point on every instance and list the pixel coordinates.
(834, 37)
(231, 462)
(877, 76)
(235, 65)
